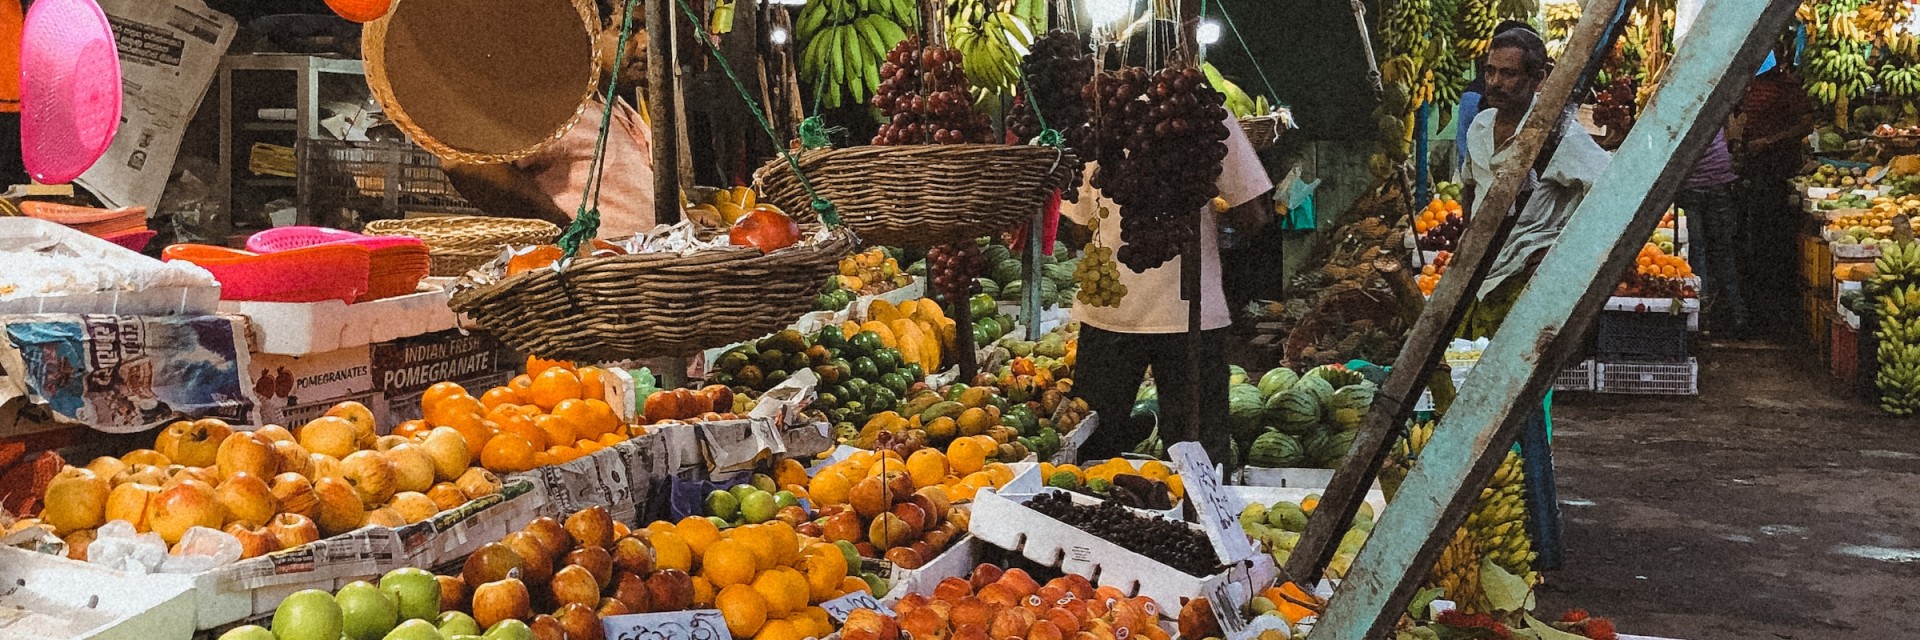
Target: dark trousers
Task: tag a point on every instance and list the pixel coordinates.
(1712, 226)
(1108, 374)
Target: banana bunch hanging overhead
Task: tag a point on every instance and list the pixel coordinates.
(992, 37)
(845, 43)
(1837, 73)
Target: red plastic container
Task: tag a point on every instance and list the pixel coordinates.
(323, 272)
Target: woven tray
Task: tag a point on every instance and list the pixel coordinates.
(655, 304)
(1262, 131)
(922, 195)
(461, 243)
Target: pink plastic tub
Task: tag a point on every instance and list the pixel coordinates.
(323, 272)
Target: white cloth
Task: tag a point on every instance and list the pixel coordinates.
(1153, 303)
(1569, 175)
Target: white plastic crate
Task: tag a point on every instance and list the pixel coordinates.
(1679, 378)
(1576, 377)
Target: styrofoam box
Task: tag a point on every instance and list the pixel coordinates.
(1071, 442)
(1008, 524)
(1688, 306)
(297, 329)
(53, 598)
(1269, 495)
(913, 291)
(19, 233)
(958, 561)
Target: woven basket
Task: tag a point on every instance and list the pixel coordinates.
(461, 243)
(1262, 131)
(655, 304)
(922, 195)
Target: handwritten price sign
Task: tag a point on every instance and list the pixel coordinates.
(1218, 508)
(705, 624)
(843, 606)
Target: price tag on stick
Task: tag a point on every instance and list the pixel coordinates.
(843, 606)
(1218, 508)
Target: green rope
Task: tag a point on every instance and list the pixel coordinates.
(820, 205)
(1048, 136)
(586, 222)
(1249, 51)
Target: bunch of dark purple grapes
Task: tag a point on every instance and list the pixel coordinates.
(954, 267)
(1161, 138)
(1057, 72)
(923, 96)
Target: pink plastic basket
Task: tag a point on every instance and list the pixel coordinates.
(135, 240)
(69, 88)
(286, 238)
(323, 272)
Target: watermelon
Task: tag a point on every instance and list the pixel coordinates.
(997, 253)
(1346, 419)
(1278, 380)
(1321, 390)
(1006, 270)
(1276, 450)
(1244, 411)
(1333, 449)
(1294, 411)
(1237, 375)
(1353, 396)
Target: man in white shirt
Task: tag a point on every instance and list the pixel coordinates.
(1149, 326)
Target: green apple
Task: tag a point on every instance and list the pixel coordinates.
(454, 623)
(464, 636)
(758, 507)
(415, 630)
(415, 590)
(874, 582)
(509, 630)
(721, 522)
(765, 483)
(307, 615)
(249, 632)
(721, 504)
(741, 491)
(851, 553)
(366, 613)
(784, 499)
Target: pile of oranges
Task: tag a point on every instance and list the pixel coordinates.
(1654, 263)
(961, 471)
(767, 580)
(1436, 213)
(1429, 278)
(550, 415)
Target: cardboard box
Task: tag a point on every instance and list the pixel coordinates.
(449, 537)
(410, 365)
(297, 329)
(295, 389)
(50, 598)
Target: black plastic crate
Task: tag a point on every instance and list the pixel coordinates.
(342, 182)
(1642, 335)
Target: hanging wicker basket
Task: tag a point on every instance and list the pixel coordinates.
(922, 195)
(1262, 131)
(458, 244)
(655, 304)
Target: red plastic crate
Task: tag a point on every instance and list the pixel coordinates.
(1844, 352)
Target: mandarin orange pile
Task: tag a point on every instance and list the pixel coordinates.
(960, 472)
(553, 414)
(766, 579)
(1655, 263)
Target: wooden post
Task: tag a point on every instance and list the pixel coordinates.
(1428, 338)
(1705, 78)
(663, 112)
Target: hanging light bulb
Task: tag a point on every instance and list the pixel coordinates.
(777, 36)
(1108, 13)
(361, 10)
(1208, 32)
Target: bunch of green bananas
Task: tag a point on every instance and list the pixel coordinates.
(1450, 79)
(1519, 9)
(1497, 525)
(846, 42)
(1896, 292)
(1905, 47)
(1404, 25)
(1473, 28)
(1838, 73)
(1900, 82)
(992, 38)
(1239, 103)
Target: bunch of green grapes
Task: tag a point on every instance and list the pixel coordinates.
(1099, 278)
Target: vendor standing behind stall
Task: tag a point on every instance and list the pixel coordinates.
(549, 184)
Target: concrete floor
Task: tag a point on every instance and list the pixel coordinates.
(1774, 505)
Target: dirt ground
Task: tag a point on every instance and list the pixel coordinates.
(1774, 505)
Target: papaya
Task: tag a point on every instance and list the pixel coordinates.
(883, 311)
(849, 329)
(887, 338)
(944, 408)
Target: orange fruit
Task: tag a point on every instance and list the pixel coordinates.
(699, 532)
(507, 453)
(825, 566)
(602, 415)
(498, 396)
(552, 386)
(411, 428)
(593, 382)
(788, 471)
(703, 593)
(729, 562)
(611, 439)
(851, 584)
(476, 430)
(544, 459)
(670, 551)
(558, 431)
(779, 630)
(774, 588)
(588, 447)
(522, 426)
(743, 608)
(443, 412)
(786, 542)
(967, 455)
(999, 472)
(829, 487)
(440, 391)
(537, 365)
(926, 467)
(564, 454)
(759, 540)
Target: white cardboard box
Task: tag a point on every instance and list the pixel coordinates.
(298, 329)
(50, 598)
(1010, 525)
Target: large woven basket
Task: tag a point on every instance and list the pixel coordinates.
(655, 304)
(922, 195)
(1262, 131)
(461, 243)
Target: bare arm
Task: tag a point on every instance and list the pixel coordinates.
(506, 191)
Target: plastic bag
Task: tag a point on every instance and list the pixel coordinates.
(202, 549)
(116, 545)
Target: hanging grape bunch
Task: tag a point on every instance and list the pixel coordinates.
(954, 266)
(1098, 274)
(923, 98)
(1056, 73)
(1159, 157)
